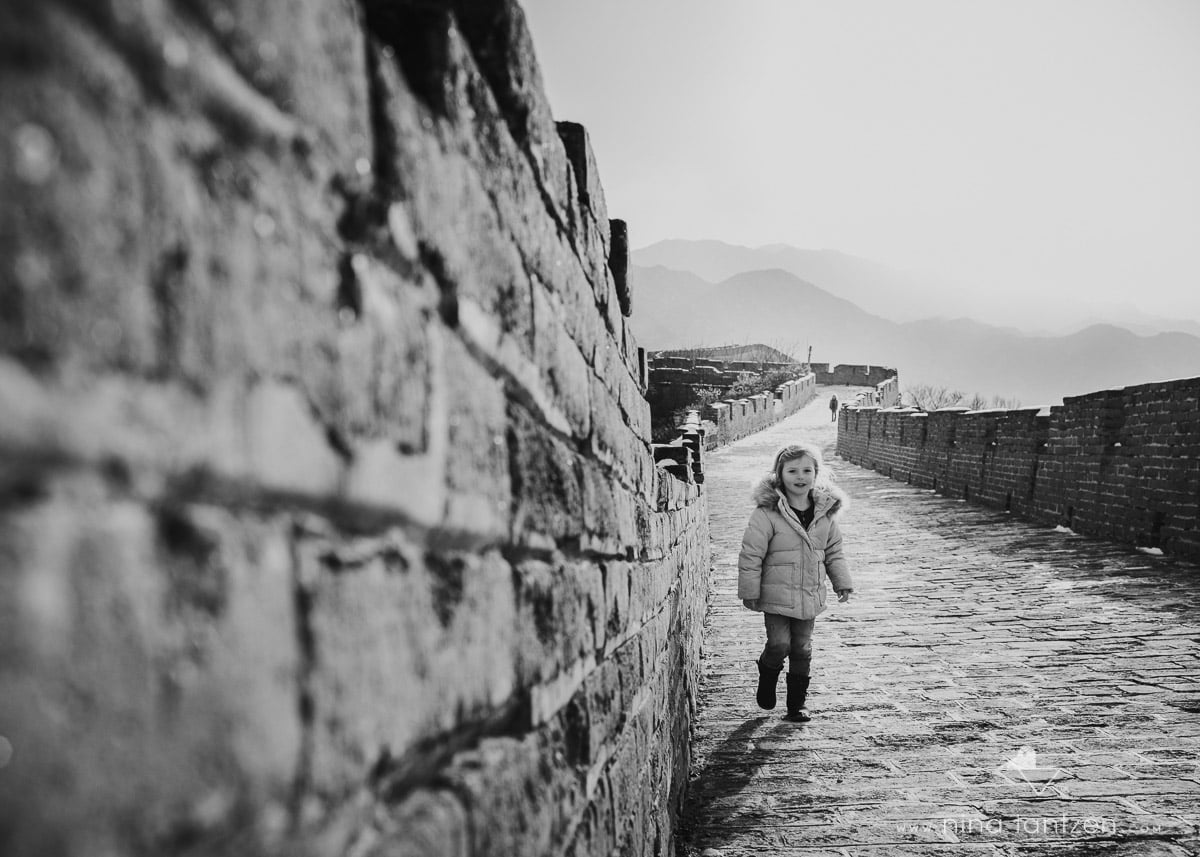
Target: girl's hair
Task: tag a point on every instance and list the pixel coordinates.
(790, 453)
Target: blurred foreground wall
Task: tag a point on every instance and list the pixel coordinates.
(329, 523)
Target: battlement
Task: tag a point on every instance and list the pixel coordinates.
(735, 418)
(1118, 464)
(677, 381)
(724, 422)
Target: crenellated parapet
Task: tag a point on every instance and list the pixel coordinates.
(683, 457)
(732, 419)
(675, 382)
(1117, 464)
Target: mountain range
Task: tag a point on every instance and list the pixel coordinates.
(676, 305)
(896, 295)
(872, 286)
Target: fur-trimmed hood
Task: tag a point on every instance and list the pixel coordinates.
(828, 499)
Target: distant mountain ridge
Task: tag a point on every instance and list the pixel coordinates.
(884, 291)
(872, 286)
(679, 309)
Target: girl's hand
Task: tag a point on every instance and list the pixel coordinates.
(750, 603)
(844, 594)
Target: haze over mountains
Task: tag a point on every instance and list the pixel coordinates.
(692, 293)
(901, 296)
(871, 286)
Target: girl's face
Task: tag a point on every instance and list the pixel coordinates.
(798, 474)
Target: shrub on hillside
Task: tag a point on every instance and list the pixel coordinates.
(751, 385)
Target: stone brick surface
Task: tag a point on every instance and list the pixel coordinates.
(994, 687)
(157, 643)
(1118, 464)
(329, 522)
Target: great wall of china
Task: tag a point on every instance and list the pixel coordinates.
(330, 520)
(1117, 464)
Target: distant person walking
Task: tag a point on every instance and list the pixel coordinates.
(833, 406)
(791, 543)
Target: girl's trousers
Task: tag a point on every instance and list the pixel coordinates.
(788, 638)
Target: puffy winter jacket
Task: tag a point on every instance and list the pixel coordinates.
(782, 566)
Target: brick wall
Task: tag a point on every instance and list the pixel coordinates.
(674, 381)
(328, 515)
(712, 366)
(849, 374)
(736, 418)
(1118, 464)
(885, 395)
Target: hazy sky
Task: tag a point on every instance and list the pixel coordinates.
(1042, 150)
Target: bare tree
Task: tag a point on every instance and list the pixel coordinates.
(929, 398)
(791, 349)
(977, 402)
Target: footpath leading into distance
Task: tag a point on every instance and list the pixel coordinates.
(994, 687)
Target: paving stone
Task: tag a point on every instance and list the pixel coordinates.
(993, 688)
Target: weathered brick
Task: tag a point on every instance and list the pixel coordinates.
(373, 379)
(610, 515)
(406, 645)
(477, 467)
(500, 39)
(167, 201)
(559, 614)
(605, 706)
(1090, 464)
(578, 148)
(566, 375)
(521, 801)
(186, 681)
(427, 823)
(548, 487)
(616, 599)
(365, 367)
(307, 59)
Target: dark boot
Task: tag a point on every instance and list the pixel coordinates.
(797, 690)
(767, 679)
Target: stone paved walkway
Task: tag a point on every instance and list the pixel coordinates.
(995, 687)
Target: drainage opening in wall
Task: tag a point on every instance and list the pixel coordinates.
(1008, 502)
(1156, 529)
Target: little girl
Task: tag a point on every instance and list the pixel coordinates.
(791, 538)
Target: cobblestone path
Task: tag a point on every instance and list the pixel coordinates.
(994, 688)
